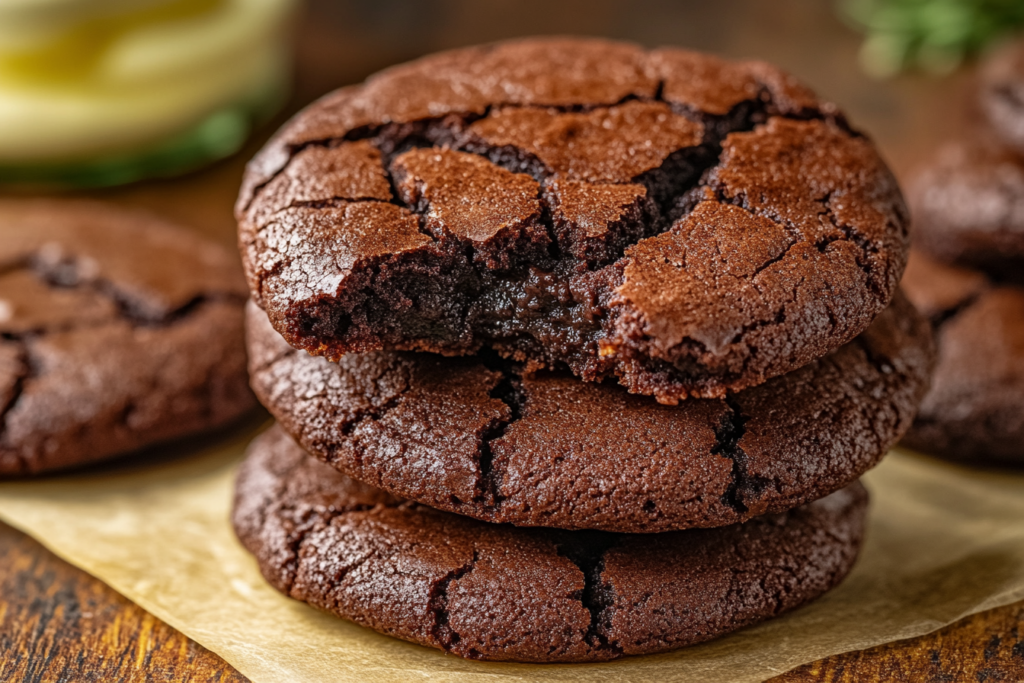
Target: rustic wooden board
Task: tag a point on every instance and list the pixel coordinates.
(58, 624)
(984, 648)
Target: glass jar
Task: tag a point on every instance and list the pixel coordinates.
(103, 92)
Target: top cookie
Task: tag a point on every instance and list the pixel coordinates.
(689, 225)
(117, 330)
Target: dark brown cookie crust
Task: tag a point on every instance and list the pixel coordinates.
(549, 450)
(688, 225)
(975, 408)
(117, 330)
(484, 591)
(968, 206)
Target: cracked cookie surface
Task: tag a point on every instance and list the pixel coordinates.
(117, 331)
(475, 436)
(686, 225)
(485, 591)
(973, 409)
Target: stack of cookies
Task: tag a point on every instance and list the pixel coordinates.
(576, 350)
(967, 275)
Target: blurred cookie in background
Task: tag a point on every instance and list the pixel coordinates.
(1001, 94)
(104, 92)
(967, 275)
(117, 330)
(975, 409)
(968, 207)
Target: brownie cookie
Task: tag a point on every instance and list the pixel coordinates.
(1001, 94)
(968, 207)
(117, 330)
(687, 225)
(475, 437)
(484, 591)
(975, 408)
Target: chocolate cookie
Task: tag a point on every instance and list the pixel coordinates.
(975, 409)
(117, 330)
(688, 225)
(968, 207)
(476, 437)
(1001, 94)
(484, 591)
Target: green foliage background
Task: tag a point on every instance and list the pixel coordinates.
(934, 35)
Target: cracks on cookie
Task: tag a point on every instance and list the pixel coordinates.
(68, 275)
(420, 209)
(659, 91)
(727, 444)
(449, 131)
(390, 139)
(440, 129)
(329, 203)
(848, 231)
(25, 369)
(547, 220)
(378, 412)
(715, 191)
(882, 363)
(679, 174)
(488, 485)
(140, 318)
(587, 550)
(441, 631)
(868, 250)
(941, 318)
(374, 414)
(508, 391)
(781, 256)
(304, 520)
(689, 165)
(297, 517)
(484, 304)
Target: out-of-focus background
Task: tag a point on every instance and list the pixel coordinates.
(840, 48)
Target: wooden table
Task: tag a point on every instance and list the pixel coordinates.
(59, 624)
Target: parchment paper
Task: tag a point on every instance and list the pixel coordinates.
(943, 542)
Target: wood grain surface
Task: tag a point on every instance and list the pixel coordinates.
(59, 624)
(984, 648)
